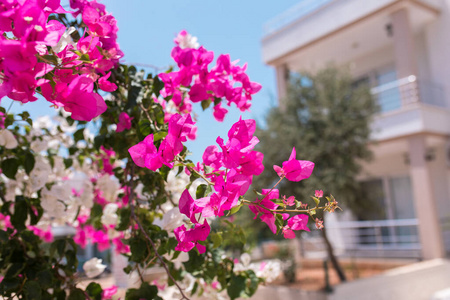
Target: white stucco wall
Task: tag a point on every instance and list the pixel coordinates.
(437, 36)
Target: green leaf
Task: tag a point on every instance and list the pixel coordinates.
(124, 219)
(58, 246)
(158, 85)
(316, 200)
(144, 127)
(68, 162)
(159, 115)
(237, 286)
(9, 167)
(94, 290)
(279, 222)
(78, 135)
(145, 291)
(138, 248)
(216, 239)
(236, 209)
(159, 135)
(44, 278)
(133, 94)
(85, 57)
(201, 191)
(252, 283)
(19, 217)
(164, 171)
(77, 294)
(193, 265)
(50, 58)
(206, 104)
(29, 162)
(99, 140)
(15, 269)
(32, 290)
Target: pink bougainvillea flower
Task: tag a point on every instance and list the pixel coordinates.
(288, 233)
(219, 112)
(299, 222)
(187, 206)
(267, 216)
(109, 292)
(124, 122)
(289, 201)
(318, 193)
(188, 239)
(295, 170)
(212, 157)
(145, 154)
(105, 84)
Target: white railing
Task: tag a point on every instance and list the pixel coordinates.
(402, 92)
(396, 238)
(303, 8)
(382, 238)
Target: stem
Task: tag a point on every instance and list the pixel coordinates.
(196, 172)
(281, 178)
(148, 116)
(247, 202)
(12, 102)
(136, 219)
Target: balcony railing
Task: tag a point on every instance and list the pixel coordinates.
(382, 238)
(303, 8)
(405, 91)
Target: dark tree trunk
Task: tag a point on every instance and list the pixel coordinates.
(332, 257)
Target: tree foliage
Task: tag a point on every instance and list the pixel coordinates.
(327, 119)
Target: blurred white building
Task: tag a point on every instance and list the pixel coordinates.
(402, 49)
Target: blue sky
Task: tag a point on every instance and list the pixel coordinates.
(146, 32)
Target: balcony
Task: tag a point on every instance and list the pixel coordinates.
(401, 93)
(379, 238)
(318, 31)
(408, 106)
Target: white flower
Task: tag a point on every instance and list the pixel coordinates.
(109, 186)
(39, 175)
(245, 259)
(38, 145)
(93, 267)
(51, 205)
(43, 122)
(172, 219)
(7, 139)
(270, 271)
(87, 194)
(185, 40)
(58, 166)
(62, 192)
(109, 216)
(65, 40)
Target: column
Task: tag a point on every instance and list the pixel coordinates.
(430, 233)
(405, 56)
(282, 76)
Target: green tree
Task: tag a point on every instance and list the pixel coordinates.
(326, 116)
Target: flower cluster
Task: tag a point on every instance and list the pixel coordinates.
(38, 53)
(230, 171)
(145, 153)
(206, 85)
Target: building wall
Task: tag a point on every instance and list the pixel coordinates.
(437, 39)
